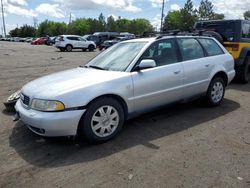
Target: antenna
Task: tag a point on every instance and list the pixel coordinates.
(162, 15)
(4, 29)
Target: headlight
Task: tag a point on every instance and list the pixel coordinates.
(47, 105)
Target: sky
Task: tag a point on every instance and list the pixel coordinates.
(19, 12)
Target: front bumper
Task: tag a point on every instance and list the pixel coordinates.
(50, 124)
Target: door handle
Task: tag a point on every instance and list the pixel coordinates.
(177, 72)
(207, 65)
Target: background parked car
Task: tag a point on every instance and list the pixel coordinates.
(39, 41)
(51, 41)
(100, 37)
(70, 42)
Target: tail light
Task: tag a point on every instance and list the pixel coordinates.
(235, 47)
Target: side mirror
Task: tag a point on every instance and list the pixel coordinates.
(146, 64)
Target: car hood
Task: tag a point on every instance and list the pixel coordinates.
(51, 86)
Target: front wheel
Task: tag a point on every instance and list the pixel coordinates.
(91, 48)
(215, 92)
(102, 121)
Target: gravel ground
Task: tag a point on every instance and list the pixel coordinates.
(184, 145)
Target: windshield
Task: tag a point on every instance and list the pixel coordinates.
(118, 57)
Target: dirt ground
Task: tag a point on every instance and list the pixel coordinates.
(184, 145)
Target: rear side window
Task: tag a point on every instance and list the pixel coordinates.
(211, 47)
(73, 38)
(245, 30)
(190, 49)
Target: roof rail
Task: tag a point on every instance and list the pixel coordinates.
(183, 33)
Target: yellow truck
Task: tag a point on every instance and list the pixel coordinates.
(235, 36)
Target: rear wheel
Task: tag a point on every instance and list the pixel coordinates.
(102, 121)
(69, 48)
(216, 35)
(91, 48)
(215, 92)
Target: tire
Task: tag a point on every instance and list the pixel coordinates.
(69, 48)
(215, 92)
(216, 35)
(87, 125)
(243, 72)
(91, 48)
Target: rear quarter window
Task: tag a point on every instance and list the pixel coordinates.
(211, 47)
(190, 49)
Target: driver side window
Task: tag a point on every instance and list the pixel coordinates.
(163, 52)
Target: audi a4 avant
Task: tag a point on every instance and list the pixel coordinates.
(128, 79)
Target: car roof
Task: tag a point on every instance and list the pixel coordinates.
(220, 21)
(71, 35)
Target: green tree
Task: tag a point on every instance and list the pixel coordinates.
(172, 21)
(206, 10)
(247, 15)
(51, 28)
(188, 16)
(111, 24)
(80, 26)
(24, 31)
(218, 16)
(14, 32)
(102, 22)
(139, 26)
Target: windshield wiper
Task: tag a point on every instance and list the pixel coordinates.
(95, 67)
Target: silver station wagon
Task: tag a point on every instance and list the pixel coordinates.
(126, 80)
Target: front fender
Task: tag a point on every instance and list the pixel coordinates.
(122, 88)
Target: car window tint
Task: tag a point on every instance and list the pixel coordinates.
(211, 47)
(245, 30)
(73, 38)
(190, 49)
(163, 52)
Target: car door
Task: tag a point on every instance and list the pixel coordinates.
(160, 85)
(75, 42)
(196, 66)
(82, 43)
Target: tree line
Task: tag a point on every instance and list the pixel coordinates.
(183, 19)
(83, 26)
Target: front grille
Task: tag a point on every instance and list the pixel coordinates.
(25, 99)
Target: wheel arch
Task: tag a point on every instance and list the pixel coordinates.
(245, 52)
(114, 96)
(223, 75)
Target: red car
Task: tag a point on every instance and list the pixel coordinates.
(39, 41)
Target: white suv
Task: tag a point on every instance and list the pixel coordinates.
(70, 42)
